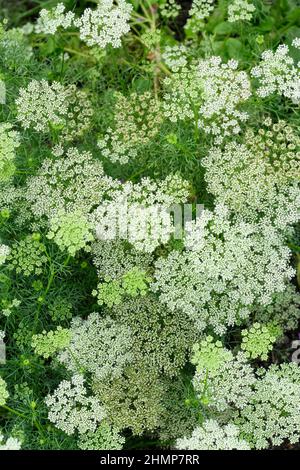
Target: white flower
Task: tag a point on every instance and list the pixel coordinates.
(4, 252)
(240, 10)
(277, 73)
(106, 24)
(70, 409)
(50, 20)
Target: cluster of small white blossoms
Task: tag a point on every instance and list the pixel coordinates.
(12, 443)
(273, 412)
(43, 106)
(227, 268)
(74, 182)
(213, 436)
(4, 252)
(140, 213)
(230, 386)
(170, 9)
(284, 309)
(70, 409)
(99, 346)
(296, 43)
(209, 93)
(50, 21)
(175, 57)
(9, 142)
(136, 122)
(277, 73)
(240, 10)
(106, 24)
(114, 258)
(199, 10)
(259, 176)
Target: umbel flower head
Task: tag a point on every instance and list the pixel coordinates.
(106, 24)
(45, 107)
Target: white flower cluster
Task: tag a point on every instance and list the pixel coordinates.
(230, 385)
(70, 409)
(9, 142)
(4, 252)
(260, 176)
(75, 182)
(140, 213)
(43, 107)
(199, 10)
(296, 43)
(136, 122)
(277, 73)
(240, 10)
(106, 24)
(175, 57)
(210, 93)
(12, 443)
(213, 436)
(99, 346)
(50, 21)
(170, 9)
(230, 265)
(273, 412)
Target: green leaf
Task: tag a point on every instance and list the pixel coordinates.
(223, 28)
(234, 48)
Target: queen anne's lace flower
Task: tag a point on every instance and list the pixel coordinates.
(199, 10)
(136, 122)
(43, 107)
(50, 21)
(240, 10)
(209, 93)
(99, 346)
(106, 24)
(12, 443)
(71, 409)
(230, 266)
(213, 436)
(272, 414)
(260, 176)
(277, 73)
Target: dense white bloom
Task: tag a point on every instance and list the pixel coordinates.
(70, 409)
(12, 443)
(230, 266)
(213, 436)
(43, 106)
(199, 10)
(4, 252)
(106, 24)
(260, 176)
(175, 57)
(50, 20)
(273, 412)
(99, 346)
(240, 10)
(140, 213)
(277, 74)
(210, 93)
(75, 182)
